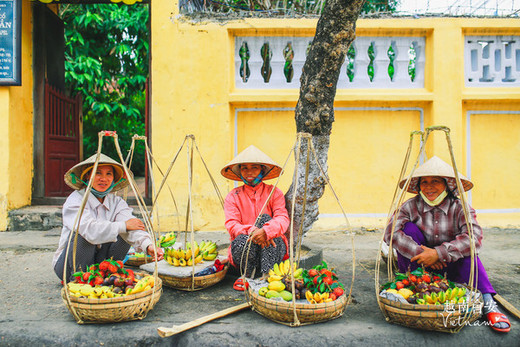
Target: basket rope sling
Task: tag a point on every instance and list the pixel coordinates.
(427, 317)
(150, 160)
(192, 282)
(292, 313)
(128, 307)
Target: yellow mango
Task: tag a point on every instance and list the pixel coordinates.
(276, 285)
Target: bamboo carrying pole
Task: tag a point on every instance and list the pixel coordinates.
(507, 305)
(165, 332)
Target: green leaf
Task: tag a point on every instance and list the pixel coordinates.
(417, 272)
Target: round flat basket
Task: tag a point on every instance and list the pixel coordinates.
(282, 311)
(138, 261)
(430, 317)
(111, 310)
(201, 282)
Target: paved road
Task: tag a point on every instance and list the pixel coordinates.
(34, 314)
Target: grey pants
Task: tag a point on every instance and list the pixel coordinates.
(256, 257)
(88, 254)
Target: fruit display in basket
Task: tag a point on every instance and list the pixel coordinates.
(167, 240)
(108, 279)
(424, 288)
(206, 250)
(322, 284)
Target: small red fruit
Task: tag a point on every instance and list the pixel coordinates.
(332, 296)
(98, 280)
(131, 274)
(86, 275)
(103, 266)
(327, 280)
(338, 292)
(112, 268)
(313, 273)
(406, 282)
(326, 272)
(426, 278)
(399, 285)
(120, 263)
(412, 278)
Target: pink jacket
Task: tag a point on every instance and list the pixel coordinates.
(243, 205)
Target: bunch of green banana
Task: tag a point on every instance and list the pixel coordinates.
(455, 295)
(167, 240)
(283, 270)
(208, 249)
(183, 257)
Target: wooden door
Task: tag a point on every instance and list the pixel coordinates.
(62, 139)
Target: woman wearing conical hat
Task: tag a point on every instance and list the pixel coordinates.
(257, 236)
(431, 231)
(107, 228)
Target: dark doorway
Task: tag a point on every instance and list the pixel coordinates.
(57, 117)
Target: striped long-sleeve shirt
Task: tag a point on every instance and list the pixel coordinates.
(444, 228)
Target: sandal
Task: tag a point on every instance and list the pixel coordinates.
(240, 285)
(497, 317)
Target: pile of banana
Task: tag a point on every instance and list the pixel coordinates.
(456, 295)
(206, 250)
(283, 270)
(317, 298)
(85, 290)
(167, 240)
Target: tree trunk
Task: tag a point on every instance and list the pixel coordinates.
(314, 112)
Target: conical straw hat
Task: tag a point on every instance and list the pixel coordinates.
(436, 167)
(254, 156)
(74, 177)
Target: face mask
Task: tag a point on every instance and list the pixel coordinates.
(103, 194)
(256, 180)
(437, 200)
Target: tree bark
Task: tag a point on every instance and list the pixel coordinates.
(314, 112)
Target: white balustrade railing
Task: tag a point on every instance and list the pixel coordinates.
(492, 61)
(408, 51)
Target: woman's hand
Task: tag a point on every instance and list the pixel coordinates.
(438, 265)
(160, 252)
(134, 224)
(427, 257)
(259, 236)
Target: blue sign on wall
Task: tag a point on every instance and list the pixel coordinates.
(10, 42)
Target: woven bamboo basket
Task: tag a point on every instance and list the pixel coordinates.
(428, 317)
(112, 310)
(283, 312)
(138, 261)
(200, 282)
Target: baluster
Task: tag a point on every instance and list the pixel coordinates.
(371, 56)
(266, 69)
(351, 58)
(391, 55)
(244, 65)
(288, 70)
(412, 54)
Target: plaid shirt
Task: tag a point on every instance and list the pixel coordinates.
(444, 228)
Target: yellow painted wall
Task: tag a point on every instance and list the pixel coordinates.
(193, 93)
(192, 74)
(16, 134)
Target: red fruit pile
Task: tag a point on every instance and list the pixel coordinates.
(107, 273)
(320, 279)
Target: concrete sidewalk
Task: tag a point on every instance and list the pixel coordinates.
(34, 313)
